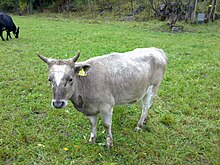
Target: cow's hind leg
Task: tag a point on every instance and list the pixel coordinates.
(93, 122)
(1, 31)
(146, 104)
(10, 35)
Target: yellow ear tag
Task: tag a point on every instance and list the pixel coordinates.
(82, 73)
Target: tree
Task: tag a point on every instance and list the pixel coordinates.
(193, 17)
(214, 11)
(9, 5)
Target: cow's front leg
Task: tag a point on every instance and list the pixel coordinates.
(107, 122)
(93, 123)
(8, 34)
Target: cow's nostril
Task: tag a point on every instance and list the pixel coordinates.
(58, 104)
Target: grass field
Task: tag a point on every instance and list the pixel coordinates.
(184, 122)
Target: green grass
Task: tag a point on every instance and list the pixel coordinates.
(184, 122)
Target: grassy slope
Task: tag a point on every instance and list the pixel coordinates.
(183, 124)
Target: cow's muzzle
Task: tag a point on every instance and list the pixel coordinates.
(59, 103)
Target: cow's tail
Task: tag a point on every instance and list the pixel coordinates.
(163, 55)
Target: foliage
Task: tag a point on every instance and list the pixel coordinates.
(183, 124)
(8, 5)
(140, 10)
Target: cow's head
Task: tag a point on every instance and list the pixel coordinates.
(62, 77)
(16, 32)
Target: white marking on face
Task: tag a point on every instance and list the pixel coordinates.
(59, 71)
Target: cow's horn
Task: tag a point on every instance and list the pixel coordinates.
(76, 57)
(43, 58)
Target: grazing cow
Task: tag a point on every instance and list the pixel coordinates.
(6, 23)
(94, 86)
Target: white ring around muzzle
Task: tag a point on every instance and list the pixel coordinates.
(59, 103)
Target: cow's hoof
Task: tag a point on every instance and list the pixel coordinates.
(108, 146)
(92, 141)
(92, 138)
(109, 143)
(137, 128)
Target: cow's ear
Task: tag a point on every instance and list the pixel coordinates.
(82, 69)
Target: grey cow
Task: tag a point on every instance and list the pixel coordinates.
(94, 86)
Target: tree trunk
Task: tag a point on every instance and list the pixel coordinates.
(203, 5)
(209, 11)
(214, 10)
(216, 5)
(132, 7)
(29, 7)
(90, 5)
(193, 18)
(187, 11)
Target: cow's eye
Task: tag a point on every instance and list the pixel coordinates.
(49, 79)
(70, 80)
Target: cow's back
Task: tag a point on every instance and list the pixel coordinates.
(122, 78)
(6, 21)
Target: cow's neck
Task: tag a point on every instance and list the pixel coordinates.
(78, 94)
(13, 28)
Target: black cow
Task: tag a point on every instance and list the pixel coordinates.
(6, 23)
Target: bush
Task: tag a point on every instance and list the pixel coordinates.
(8, 5)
